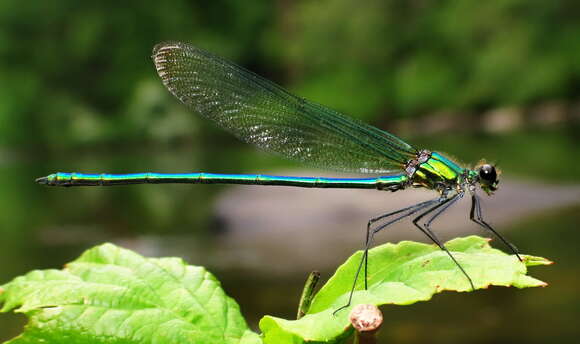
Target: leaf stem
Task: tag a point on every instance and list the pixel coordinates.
(307, 293)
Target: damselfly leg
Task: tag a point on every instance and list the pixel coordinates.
(426, 228)
(476, 216)
(397, 216)
(434, 208)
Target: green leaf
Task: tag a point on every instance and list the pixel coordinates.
(401, 274)
(113, 295)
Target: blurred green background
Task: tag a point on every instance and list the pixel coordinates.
(497, 79)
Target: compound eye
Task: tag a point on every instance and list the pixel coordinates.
(488, 173)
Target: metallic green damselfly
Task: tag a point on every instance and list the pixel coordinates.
(262, 113)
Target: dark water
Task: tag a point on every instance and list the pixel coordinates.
(45, 228)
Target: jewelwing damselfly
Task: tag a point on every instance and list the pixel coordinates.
(262, 113)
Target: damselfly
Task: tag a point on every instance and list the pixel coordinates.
(264, 114)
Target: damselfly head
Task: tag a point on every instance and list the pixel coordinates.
(488, 178)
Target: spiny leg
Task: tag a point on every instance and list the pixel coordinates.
(408, 211)
(447, 205)
(476, 216)
(427, 225)
(427, 231)
(414, 208)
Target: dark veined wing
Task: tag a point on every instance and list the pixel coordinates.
(260, 112)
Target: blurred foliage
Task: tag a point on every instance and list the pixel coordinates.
(416, 56)
(79, 72)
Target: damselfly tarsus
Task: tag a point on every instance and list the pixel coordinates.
(264, 114)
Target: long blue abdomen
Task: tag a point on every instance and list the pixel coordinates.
(390, 182)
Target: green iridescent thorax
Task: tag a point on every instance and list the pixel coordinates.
(471, 176)
(437, 172)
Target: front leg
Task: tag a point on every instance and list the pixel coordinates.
(476, 216)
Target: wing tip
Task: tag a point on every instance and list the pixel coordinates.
(162, 47)
(161, 53)
(161, 50)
